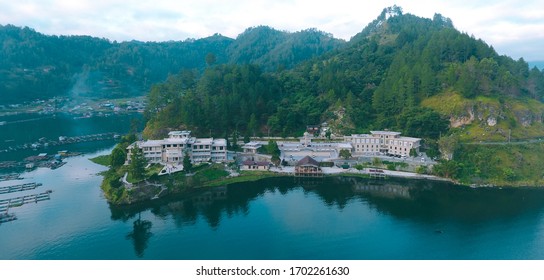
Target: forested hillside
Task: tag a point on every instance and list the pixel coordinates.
(392, 75)
(33, 65)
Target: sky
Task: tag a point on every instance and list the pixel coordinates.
(513, 28)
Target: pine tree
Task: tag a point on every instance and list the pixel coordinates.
(187, 165)
(137, 164)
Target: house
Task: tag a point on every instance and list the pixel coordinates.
(382, 142)
(251, 147)
(320, 151)
(308, 167)
(255, 165)
(313, 129)
(172, 150)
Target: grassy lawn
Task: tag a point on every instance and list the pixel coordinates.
(245, 176)
(102, 160)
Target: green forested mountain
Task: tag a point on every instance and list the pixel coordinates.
(416, 75)
(33, 65)
(391, 75)
(272, 49)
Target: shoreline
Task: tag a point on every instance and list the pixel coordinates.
(252, 176)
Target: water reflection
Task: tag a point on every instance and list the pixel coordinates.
(423, 202)
(140, 235)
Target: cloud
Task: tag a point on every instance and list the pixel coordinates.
(512, 27)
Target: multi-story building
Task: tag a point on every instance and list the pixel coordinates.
(172, 149)
(383, 142)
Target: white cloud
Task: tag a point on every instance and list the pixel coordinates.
(503, 24)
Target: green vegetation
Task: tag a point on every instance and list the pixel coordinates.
(117, 157)
(345, 154)
(102, 160)
(112, 187)
(418, 76)
(187, 165)
(502, 165)
(137, 165)
(245, 176)
(38, 66)
(390, 76)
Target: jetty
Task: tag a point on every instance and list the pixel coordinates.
(10, 177)
(19, 188)
(6, 204)
(376, 173)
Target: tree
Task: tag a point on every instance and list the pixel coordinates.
(137, 164)
(422, 169)
(413, 152)
(276, 160)
(134, 126)
(272, 148)
(210, 59)
(345, 154)
(447, 146)
(252, 125)
(376, 161)
(187, 165)
(446, 168)
(118, 157)
(234, 141)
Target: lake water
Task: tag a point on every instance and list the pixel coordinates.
(278, 218)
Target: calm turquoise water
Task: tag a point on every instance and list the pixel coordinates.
(14, 133)
(280, 218)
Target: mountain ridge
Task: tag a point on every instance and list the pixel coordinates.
(33, 65)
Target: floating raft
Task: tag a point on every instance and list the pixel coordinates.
(9, 177)
(19, 188)
(43, 142)
(5, 204)
(4, 218)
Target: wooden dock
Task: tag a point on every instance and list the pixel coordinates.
(9, 177)
(19, 188)
(377, 173)
(6, 204)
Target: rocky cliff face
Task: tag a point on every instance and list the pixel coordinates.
(490, 119)
(488, 113)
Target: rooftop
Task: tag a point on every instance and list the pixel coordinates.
(385, 132)
(252, 144)
(307, 160)
(259, 163)
(219, 142)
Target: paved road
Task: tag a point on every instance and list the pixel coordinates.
(517, 142)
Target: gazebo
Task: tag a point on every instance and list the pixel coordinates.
(308, 167)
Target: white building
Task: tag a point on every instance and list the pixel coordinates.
(251, 147)
(382, 142)
(320, 151)
(172, 149)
